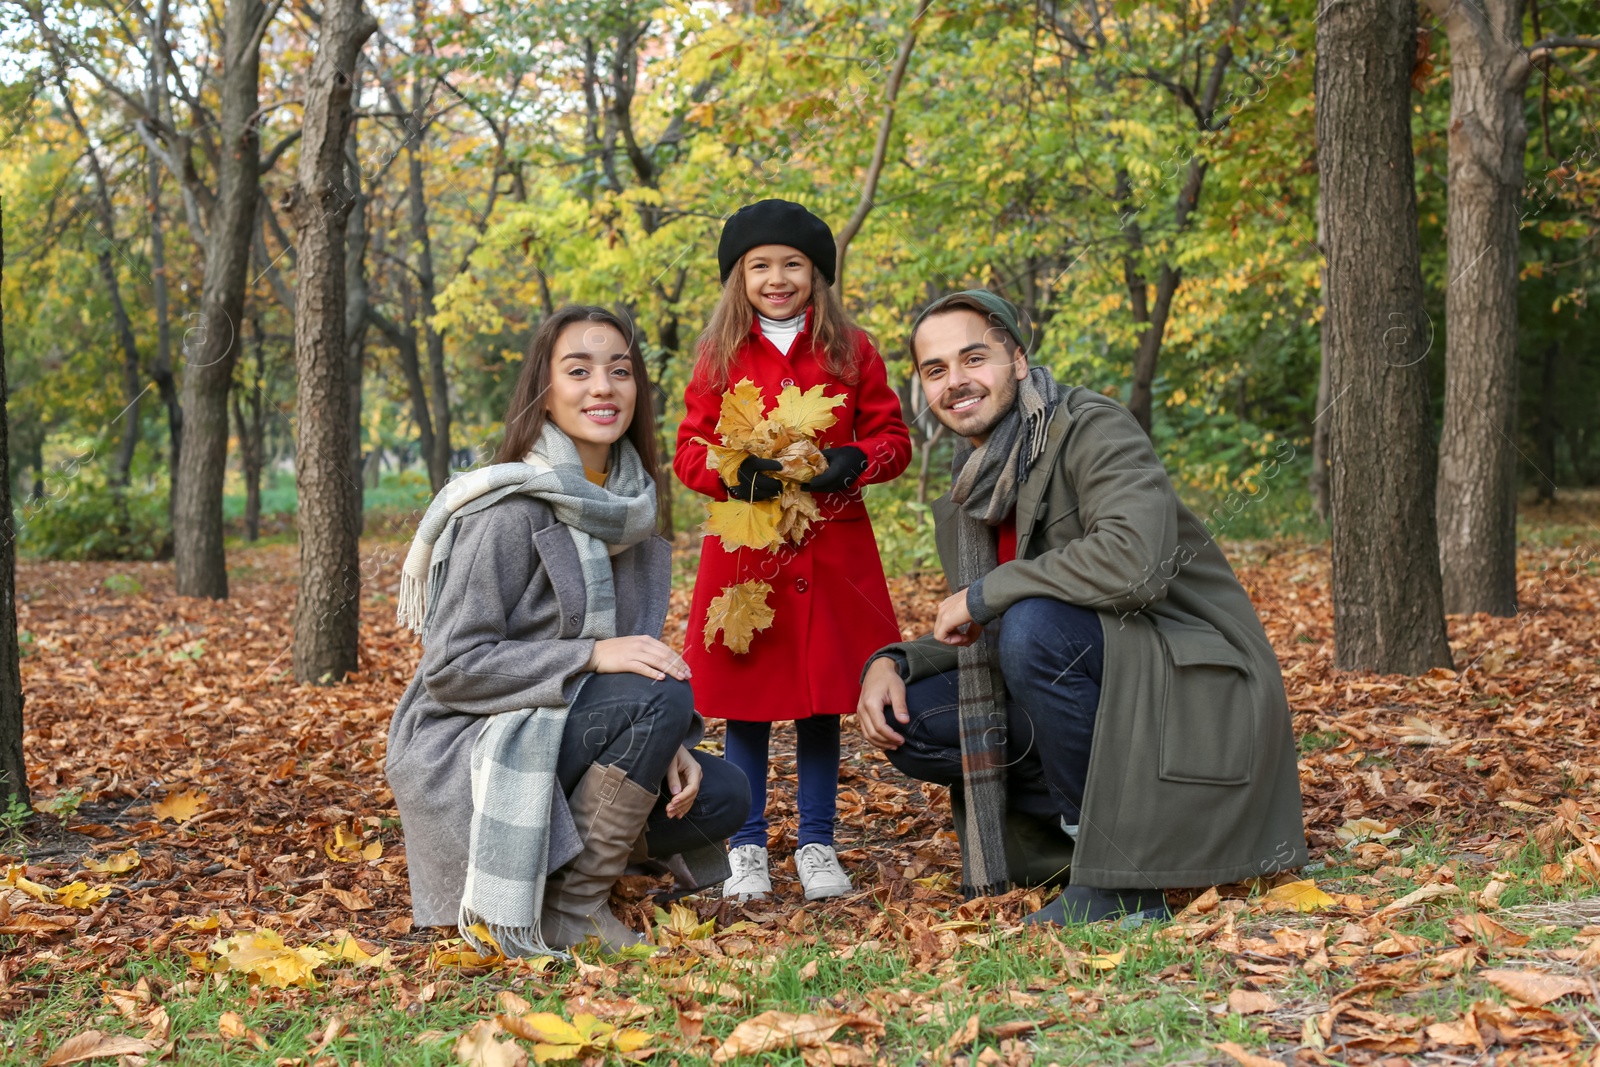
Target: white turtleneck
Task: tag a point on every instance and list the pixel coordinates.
(782, 332)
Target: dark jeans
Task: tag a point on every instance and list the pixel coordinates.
(637, 724)
(816, 748)
(1051, 654)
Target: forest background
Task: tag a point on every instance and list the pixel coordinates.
(1141, 178)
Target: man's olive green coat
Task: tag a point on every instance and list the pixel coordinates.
(1192, 776)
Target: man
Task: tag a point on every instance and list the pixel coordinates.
(1098, 686)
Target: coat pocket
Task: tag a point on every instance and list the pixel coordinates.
(1207, 725)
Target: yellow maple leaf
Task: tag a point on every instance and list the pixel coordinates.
(739, 612)
(121, 863)
(81, 895)
(743, 412)
(180, 807)
(807, 413)
(346, 846)
(741, 524)
(1301, 896)
(684, 924)
(262, 956)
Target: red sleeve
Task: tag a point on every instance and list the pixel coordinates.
(880, 430)
(702, 406)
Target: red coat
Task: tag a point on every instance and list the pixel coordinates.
(831, 604)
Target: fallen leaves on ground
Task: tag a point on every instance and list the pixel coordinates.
(224, 806)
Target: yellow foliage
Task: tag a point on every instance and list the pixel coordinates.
(742, 524)
(263, 957)
(738, 613)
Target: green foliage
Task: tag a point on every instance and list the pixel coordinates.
(905, 533)
(86, 519)
(63, 805)
(122, 585)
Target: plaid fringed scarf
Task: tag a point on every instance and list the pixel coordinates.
(985, 490)
(514, 758)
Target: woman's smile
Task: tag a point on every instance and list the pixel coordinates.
(604, 414)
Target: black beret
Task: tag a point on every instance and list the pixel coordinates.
(776, 222)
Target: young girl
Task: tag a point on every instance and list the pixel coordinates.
(780, 324)
(545, 740)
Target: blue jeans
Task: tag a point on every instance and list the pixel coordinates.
(817, 760)
(1051, 655)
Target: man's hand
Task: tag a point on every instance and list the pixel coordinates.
(683, 781)
(954, 625)
(882, 688)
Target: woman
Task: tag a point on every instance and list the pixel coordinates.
(528, 754)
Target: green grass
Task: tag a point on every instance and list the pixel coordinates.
(1155, 1006)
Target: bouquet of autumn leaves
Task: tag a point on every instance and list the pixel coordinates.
(786, 434)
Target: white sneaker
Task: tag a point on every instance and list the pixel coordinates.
(750, 880)
(820, 874)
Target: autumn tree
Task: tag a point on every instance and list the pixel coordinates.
(1388, 609)
(327, 613)
(1478, 452)
(208, 366)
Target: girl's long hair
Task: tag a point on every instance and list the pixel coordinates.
(526, 414)
(833, 332)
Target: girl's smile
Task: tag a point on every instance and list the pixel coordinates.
(777, 280)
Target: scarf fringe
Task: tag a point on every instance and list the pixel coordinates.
(409, 612)
(512, 940)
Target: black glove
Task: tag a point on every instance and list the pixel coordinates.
(845, 464)
(752, 484)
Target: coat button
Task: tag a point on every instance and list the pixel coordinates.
(574, 618)
(801, 585)
(786, 383)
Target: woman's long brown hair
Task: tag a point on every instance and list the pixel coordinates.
(526, 414)
(833, 333)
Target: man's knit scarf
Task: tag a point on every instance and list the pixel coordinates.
(985, 490)
(514, 758)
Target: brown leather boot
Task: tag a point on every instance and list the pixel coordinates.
(609, 810)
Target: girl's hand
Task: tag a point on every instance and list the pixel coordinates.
(845, 464)
(637, 655)
(683, 779)
(754, 483)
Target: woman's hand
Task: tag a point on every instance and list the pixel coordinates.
(637, 655)
(683, 779)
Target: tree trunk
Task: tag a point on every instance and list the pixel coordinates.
(252, 438)
(166, 384)
(429, 340)
(212, 347)
(13, 777)
(1388, 608)
(1319, 443)
(355, 305)
(1477, 451)
(327, 613)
